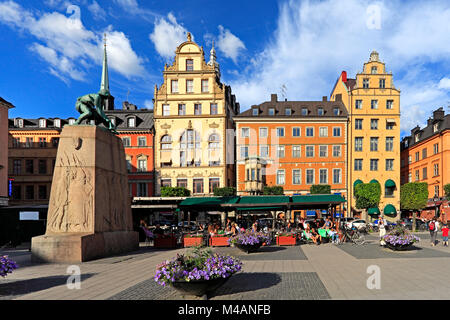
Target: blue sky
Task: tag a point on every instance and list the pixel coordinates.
(52, 49)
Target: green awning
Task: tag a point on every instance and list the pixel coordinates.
(390, 209)
(259, 208)
(374, 181)
(389, 184)
(263, 199)
(356, 183)
(318, 199)
(373, 211)
(207, 201)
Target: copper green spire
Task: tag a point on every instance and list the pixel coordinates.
(104, 87)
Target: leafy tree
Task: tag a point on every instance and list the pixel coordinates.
(225, 192)
(175, 192)
(367, 195)
(414, 196)
(275, 190)
(447, 191)
(320, 189)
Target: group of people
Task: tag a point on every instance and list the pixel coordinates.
(433, 227)
(310, 229)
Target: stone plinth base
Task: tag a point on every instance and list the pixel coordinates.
(80, 247)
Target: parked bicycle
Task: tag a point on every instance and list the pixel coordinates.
(352, 235)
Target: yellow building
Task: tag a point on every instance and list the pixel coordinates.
(373, 104)
(193, 110)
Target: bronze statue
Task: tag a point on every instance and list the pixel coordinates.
(90, 107)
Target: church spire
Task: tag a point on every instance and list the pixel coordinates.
(105, 77)
(212, 60)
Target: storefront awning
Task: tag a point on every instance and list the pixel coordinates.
(199, 202)
(259, 209)
(389, 209)
(374, 181)
(389, 184)
(373, 211)
(318, 199)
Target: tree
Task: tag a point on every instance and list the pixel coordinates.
(447, 191)
(225, 192)
(275, 190)
(175, 192)
(320, 189)
(414, 196)
(367, 195)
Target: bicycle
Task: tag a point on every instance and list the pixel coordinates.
(352, 235)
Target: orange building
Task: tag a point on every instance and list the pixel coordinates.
(425, 156)
(4, 182)
(293, 144)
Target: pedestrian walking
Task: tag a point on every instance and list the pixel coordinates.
(445, 235)
(433, 227)
(382, 228)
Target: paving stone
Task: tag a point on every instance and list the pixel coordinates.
(272, 253)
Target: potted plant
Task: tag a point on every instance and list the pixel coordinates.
(219, 240)
(6, 266)
(400, 239)
(249, 241)
(197, 273)
(165, 241)
(286, 239)
(192, 240)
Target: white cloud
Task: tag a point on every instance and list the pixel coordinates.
(148, 104)
(167, 36)
(97, 12)
(230, 45)
(68, 47)
(129, 5)
(315, 41)
(132, 7)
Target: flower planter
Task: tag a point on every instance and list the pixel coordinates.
(219, 241)
(286, 241)
(165, 242)
(192, 241)
(400, 247)
(198, 287)
(248, 247)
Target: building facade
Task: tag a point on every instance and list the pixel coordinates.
(32, 146)
(4, 181)
(135, 128)
(194, 128)
(373, 104)
(425, 154)
(292, 144)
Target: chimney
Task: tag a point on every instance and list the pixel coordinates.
(339, 97)
(324, 98)
(344, 76)
(273, 97)
(430, 121)
(439, 114)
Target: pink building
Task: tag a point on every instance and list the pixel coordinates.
(4, 185)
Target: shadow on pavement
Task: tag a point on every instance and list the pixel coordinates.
(14, 288)
(243, 282)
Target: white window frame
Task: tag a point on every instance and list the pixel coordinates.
(339, 175)
(266, 130)
(299, 178)
(326, 175)
(174, 86)
(323, 132)
(313, 176)
(306, 151)
(326, 151)
(299, 151)
(283, 175)
(245, 132)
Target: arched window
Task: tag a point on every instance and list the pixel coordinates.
(166, 142)
(190, 151)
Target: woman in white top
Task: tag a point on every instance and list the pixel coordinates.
(382, 228)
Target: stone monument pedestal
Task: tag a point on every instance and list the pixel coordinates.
(89, 214)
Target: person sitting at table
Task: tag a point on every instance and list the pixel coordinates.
(234, 230)
(228, 230)
(333, 234)
(158, 231)
(316, 238)
(289, 227)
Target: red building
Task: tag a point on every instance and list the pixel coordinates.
(135, 127)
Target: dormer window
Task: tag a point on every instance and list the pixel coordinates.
(336, 111)
(131, 122)
(271, 111)
(19, 123)
(113, 120)
(57, 123)
(42, 123)
(320, 111)
(71, 121)
(255, 111)
(416, 137)
(304, 111)
(288, 111)
(435, 127)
